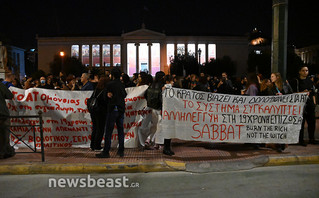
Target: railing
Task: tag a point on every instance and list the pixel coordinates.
(31, 128)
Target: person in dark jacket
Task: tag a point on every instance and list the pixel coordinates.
(202, 85)
(5, 149)
(304, 84)
(115, 93)
(225, 85)
(98, 115)
(126, 81)
(87, 85)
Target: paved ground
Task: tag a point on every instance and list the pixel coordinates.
(189, 156)
(263, 182)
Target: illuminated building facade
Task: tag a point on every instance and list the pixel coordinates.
(141, 50)
(309, 55)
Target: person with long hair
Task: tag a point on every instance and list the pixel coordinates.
(278, 87)
(153, 97)
(98, 116)
(264, 87)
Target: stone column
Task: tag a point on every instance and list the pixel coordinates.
(90, 56)
(196, 53)
(186, 48)
(206, 53)
(137, 57)
(111, 55)
(101, 55)
(175, 49)
(163, 55)
(279, 37)
(80, 53)
(124, 56)
(150, 57)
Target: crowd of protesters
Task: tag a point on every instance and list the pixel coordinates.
(251, 84)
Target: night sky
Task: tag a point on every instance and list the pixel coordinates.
(22, 20)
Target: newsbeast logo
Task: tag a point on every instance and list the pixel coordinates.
(90, 182)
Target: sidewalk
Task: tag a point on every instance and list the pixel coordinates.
(189, 156)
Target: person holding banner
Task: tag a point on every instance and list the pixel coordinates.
(278, 87)
(5, 149)
(304, 84)
(153, 97)
(115, 92)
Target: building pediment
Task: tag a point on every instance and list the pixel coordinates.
(142, 33)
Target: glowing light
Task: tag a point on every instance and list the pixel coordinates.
(257, 41)
(62, 53)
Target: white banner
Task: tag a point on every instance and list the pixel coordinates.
(202, 116)
(66, 120)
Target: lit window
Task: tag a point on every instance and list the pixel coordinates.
(96, 55)
(211, 51)
(131, 59)
(116, 55)
(191, 49)
(86, 55)
(75, 51)
(202, 55)
(156, 61)
(180, 49)
(106, 55)
(143, 58)
(170, 53)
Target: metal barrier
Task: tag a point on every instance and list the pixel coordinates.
(32, 127)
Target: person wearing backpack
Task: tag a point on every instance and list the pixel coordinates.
(153, 97)
(98, 114)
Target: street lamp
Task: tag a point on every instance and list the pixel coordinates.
(62, 54)
(199, 53)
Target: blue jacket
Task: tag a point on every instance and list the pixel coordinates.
(87, 86)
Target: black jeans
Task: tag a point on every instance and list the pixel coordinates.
(98, 121)
(310, 117)
(114, 117)
(6, 150)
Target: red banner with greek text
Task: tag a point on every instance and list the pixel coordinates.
(66, 120)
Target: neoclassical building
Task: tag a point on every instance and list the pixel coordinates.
(142, 50)
(309, 54)
(11, 60)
